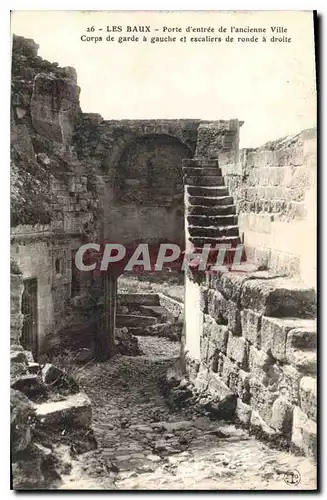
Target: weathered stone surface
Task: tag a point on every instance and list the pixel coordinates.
(21, 413)
(18, 357)
(145, 299)
(217, 306)
(301, 349)
(51, 373)
(274, 333)
(251, 326)
(243, 412)
(308, 396)
(218, 334)
(34, 368)
(29, 356)
(234, 318)
(258, 424)
(260, 365)
(279, 298)
(230, 284)
(17, 370)
(243, 386)
(30, 384)
(217, 136)
(27, 474)
(282, 416)
(289, 385)
(303, 338)
(216, 386)
(16, 348)
(229, 374)
(237, 349)
(304, 432)
(73, 411)
(55, 107)
(262, 399)
(133, 320)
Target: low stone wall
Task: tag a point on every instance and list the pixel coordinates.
(254, 336)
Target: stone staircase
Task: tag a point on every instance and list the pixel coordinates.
(210, 210)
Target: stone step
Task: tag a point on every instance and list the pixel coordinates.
(133, 320)
(279, 298)
(204, 180)
(199, 241)
(146, 299)
(212, 231)
(210, 201)
(73, 411)
(207, 191)
(199, 162)
(301, 344)
(219, 210)
(199, 171)
(212, 220)
(156, 311)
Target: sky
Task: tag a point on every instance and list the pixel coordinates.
(270, 86)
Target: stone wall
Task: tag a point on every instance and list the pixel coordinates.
(254, 336)
(16, 317)
(274, 188)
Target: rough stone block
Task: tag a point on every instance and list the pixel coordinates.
(217, 387)
(230, 284)
(274, 333)
(243, 386)
(282, 416)
(29, 384)
(305, 361)
(234, 318)
(74, 411)
(303, 338)
(260, 365)
(308, 396)
(51, 373)
(237, 349)
(301, 349)
(229, 373)
(218, 334)
(18, 357)
(218, 307)
(21, 411)
(262, 399)
(279, 297)
(204, 300)
(304, 432)
(204, 344)
(251, 326)
(258, 424)
(289, 385)
(243, 413)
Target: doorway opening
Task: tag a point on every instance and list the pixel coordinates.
(29, 339)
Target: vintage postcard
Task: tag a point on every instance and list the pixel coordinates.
(163, 250)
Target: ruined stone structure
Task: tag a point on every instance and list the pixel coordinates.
(252, 334)
(78, 178)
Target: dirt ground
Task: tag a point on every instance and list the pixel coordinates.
(142, 445)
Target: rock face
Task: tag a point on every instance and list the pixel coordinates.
(55, 107)
(43, 426)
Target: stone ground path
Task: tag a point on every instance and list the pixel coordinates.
(143, 446)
